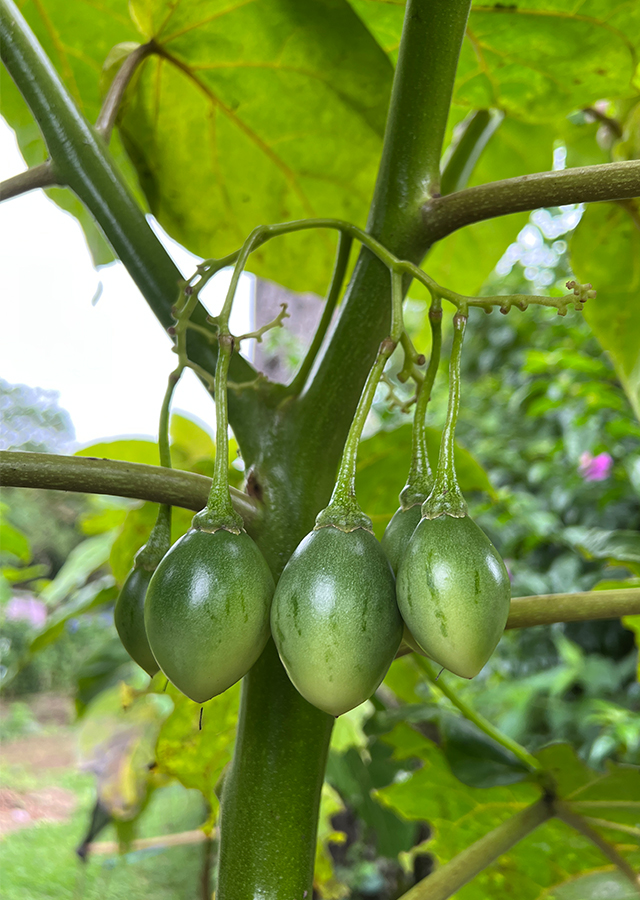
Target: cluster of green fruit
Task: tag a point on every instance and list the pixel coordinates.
(337, 615)
(203, 610)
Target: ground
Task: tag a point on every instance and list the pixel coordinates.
(45, 805)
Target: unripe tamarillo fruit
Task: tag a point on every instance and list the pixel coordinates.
(334, 618)
(128, 616)
(398, 533)
(395, 541)
(207, 611)
(454, 593)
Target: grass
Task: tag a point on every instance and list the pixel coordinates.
(39, 862)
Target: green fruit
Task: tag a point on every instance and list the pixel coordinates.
(398, 533)
(410, 641)
(207, 611)
(334, 618)
(128, 616)
(454, 593)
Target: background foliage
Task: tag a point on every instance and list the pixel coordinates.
(270, 111)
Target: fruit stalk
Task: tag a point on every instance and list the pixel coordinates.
(343, 509)
(420, 479)
(446, 496)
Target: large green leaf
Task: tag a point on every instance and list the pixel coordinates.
(77, 37)
(254, 113)
(538, 62)
(548, 857)
(605, 250)
(197, 756)
(611, 885)
(383, 464)
(137, 451)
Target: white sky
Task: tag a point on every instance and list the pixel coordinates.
(109, 361)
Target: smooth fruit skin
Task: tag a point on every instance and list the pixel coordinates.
(454, 593)
(207, 611)
(398, 534)
(334, 618)
(128, 616)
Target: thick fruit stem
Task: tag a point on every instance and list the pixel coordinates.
(420, 480)
(343, 510)
(446, 497)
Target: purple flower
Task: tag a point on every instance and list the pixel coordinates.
(595, 468)
(27, 607)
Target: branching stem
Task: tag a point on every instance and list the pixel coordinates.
(564, 812)
(86, 475)
(588, 184)
(420, 480)
(446, 496)
(343, 509)
(345, 242)
(449, 878)
(265, 233)
(479, 720)
(42, 176)
(109, 111)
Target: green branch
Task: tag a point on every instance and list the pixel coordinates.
(478, 720)
(109, 111)
(119, 479)
(449, 878)
(576, 298)
(41, 176)
(190, 491)
(564, 812)
(545, 609)
(588, 184)
(345, 242)
(422, 88)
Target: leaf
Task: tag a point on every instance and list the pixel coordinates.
(347, 731)
(77, 39)
(355, 779)
(22, 576)
(190, 441)
(109, 664)
(460, 815)
(88, 598)
(605, 250)
(383, 464)
(611, 885)
(633, 624)
(81, 562)
(617, 547)
(474, 758)
(537, 63)
(136, 451)
(613, 795)
(197, 757)
(117, 741)
(325, 882)
(257, 113)
(14, 542)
